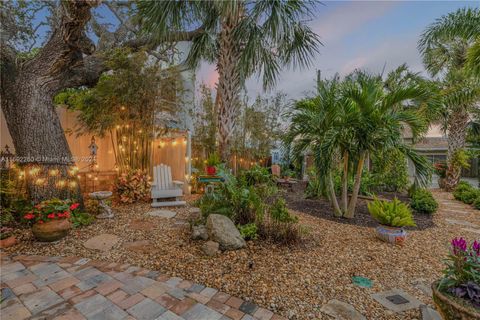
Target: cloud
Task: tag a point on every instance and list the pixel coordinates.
(348, 18)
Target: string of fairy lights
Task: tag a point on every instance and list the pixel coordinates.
(41, 178)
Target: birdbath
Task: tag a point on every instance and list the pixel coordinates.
(106, 210)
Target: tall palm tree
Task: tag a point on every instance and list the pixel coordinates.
(450, 48)
(244, 39)
(347, 121)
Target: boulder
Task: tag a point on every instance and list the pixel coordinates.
(199, 232)
(210, 248)
(222, 230)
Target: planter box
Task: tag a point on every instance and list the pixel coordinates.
(452, 308)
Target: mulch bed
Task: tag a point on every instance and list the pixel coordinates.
(322, 208)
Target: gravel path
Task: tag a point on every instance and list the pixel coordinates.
(294, 282)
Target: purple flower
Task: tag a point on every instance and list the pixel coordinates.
(476, 248)
(459, 245)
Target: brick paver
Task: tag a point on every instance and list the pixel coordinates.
(78, 288)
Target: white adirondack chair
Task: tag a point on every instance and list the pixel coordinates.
(164, 187)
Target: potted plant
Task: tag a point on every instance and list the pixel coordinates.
(51, 219)
(393, 216)
(212, 161)
(7, 239)
(457, 294)
(441, 171)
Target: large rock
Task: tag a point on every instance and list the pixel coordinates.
(199, 232)
(222, 230)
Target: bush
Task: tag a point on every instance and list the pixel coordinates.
(391, 213)
(248, 231)
(466, 193)
(133, 186)
(423, 201)
(476, 203)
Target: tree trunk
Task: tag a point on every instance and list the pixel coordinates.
(356, 187)
(345, 182)
(333, 197)
(228, 84)
(457, 131)
(39, 141)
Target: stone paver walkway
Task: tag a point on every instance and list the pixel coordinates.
(75, 288)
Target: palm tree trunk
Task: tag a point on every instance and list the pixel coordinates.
(333, 198)
(457, 131)
(228, 83)
(356, 187)
(345, 182)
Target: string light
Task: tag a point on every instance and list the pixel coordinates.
(34, 170)
(73, 184)
(53, 172)
(89, 176)
(61, 183)
(40, 181)
(186, 159)
(21, 174)
(96, 166)
(79, 176)
(122, 108)
(118, 126)
(174, 142)
(162, 144)
(96, 178)
(184, 142)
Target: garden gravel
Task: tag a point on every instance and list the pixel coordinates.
(293, 281)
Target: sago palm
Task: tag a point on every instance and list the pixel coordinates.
(450, 48)
(243, 38)
(349, 120)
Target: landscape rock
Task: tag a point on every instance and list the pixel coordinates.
(222, 230)
(199, 232)
(211, 248)
(429, 314)
(102, 242)
(341, 310)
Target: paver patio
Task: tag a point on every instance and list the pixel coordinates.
(79, 288)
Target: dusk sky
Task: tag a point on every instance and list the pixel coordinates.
(358, 34)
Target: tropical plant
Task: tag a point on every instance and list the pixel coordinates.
(423, 201)
(347, 121)
(462, 270)
(132, 186)
(213, 160)
(449, 46)
(248, 231)
(391, 213)
(243, 38)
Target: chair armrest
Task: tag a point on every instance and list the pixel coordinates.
(180, 183)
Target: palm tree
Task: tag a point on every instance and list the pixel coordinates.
(244, 39)
(450, 48)
(347, 121)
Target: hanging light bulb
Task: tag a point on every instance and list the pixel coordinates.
(174, 142)
(72, 184)
(186, 159)
(39, 181)
(184, 142)
(53, 172)
(61, 183)
(34, 170)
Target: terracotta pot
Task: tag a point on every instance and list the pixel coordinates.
(8, 242)
(52, 230)
(452, 308)
(392, 235)
(211, 170)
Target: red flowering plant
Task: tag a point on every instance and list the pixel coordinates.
(52, 209)
(440, 169)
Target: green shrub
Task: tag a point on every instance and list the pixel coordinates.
(423, 201)
(466, 193)
(391, 213)
(248, 231)
(80, 219)
(476, 203)
(279, 212)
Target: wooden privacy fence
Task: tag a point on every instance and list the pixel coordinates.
(172, 150)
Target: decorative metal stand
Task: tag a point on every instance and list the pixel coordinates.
(101, 196)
